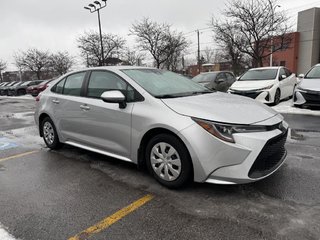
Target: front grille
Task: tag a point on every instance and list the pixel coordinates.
(312, 97)
(270, 157)
(247, 94)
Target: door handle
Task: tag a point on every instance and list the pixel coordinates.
(85, 107)
(55, 101)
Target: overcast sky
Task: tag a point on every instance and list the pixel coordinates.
(54, 25)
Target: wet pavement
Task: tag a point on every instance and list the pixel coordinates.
(57, 194)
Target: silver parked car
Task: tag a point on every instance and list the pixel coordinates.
(307, 92)
(179, 129)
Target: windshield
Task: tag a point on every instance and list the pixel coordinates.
(165, 84)
(259, 74)
(204, 77)
(314, 73)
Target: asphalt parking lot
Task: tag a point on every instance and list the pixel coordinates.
(76, 194)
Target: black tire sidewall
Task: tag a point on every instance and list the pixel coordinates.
(186, 165)
(56, 143)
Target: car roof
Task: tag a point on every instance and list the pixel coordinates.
(266, 68)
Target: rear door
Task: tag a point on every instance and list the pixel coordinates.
(65, 105)
(105, 126)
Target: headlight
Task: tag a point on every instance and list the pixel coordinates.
(265, 88)
(225, 131)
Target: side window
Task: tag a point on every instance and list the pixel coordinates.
(222, 76)
(288, 73)
(101, 81)
(73, 84)
(230, 77)
(58, 88)
(282, 72)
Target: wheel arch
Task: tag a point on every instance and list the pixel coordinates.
(148, 136)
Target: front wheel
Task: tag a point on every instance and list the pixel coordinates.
(49, 134)
(168, 161)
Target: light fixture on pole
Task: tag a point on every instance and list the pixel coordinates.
(272, 23)
(93, 8)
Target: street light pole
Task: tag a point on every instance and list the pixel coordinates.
(92, 8)
(272, 23)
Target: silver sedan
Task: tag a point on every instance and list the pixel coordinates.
(179, 129)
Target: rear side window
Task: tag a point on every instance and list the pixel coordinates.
(73, 84)
(230, 77)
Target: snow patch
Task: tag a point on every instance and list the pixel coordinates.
(4, 235)
(287, 107)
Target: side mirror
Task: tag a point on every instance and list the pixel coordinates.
(282, 77)
(114, 97)
(220, 80)
(301, 75)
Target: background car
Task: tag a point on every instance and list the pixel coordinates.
(307, 93)
(4, 89)
(179, 129)
(11, 89)
(36, 89)
(268, 84)
(219, 81)
(22, 89)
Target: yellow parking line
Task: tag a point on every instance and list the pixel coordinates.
(107, 222)
(17, 156)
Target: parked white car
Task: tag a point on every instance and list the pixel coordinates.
(268, 84)
(308, 91)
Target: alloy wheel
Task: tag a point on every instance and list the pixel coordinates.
(165, 161)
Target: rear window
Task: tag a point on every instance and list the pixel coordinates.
(204, 77)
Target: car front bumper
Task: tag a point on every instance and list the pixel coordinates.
(252, 157)
(306, 97)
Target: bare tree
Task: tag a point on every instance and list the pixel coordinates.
(209, 54)
(3, 66)
(159, 40)
(61, 62)
(133, 57)
(89, 45)
(254, 28)
(34, 60)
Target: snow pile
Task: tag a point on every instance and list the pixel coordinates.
(4, 235)
(287, 107)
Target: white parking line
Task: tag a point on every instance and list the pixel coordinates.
(4, 235)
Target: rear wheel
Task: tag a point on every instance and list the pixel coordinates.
(49, 134)
(168, 161)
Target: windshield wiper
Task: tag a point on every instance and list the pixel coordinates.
(168, 96)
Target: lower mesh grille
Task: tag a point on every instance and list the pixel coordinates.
(270, 157)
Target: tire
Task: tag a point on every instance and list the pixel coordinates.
(21, 92)
(277, 97)
(49, 134)
(165, 167)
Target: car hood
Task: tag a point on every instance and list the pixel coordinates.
(251, 85)
(221, 107)
(310, 84)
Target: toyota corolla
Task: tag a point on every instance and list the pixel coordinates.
(179, 129)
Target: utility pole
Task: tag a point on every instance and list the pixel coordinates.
(272, 23)
(199, 61)
(92, 8)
